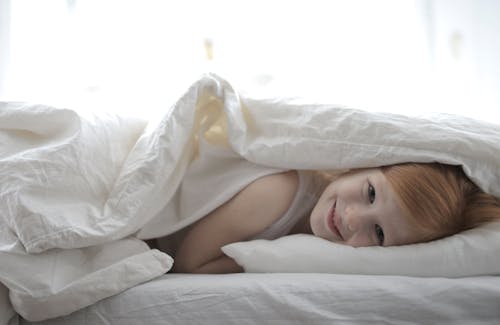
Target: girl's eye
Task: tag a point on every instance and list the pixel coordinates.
(371, 193)
(380, 234)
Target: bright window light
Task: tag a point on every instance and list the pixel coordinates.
(405, 56)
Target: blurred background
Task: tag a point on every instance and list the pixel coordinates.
(134, 57)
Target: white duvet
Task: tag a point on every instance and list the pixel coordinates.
(76, 192)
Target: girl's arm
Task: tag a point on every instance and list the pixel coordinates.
(248, 213)
(223, 264)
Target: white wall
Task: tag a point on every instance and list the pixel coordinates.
(466, 56)
(4, 41)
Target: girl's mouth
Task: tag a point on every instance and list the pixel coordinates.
(331, 221)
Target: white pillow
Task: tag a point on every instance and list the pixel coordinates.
(471, 253)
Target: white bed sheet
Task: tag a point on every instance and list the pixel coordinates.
(297, 298)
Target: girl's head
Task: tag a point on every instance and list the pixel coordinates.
(440, 199)
(400, 204)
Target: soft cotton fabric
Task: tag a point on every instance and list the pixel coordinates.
(77, 192)
(6, 310)
(472, 253)
(296, 299)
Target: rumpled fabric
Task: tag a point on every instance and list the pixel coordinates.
(77, 194)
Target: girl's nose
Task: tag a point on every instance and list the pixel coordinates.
(351, 219)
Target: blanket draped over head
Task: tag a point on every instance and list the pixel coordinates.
(77, 193)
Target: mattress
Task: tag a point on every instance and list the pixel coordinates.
(297, 298)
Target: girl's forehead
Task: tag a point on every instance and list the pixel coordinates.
(404, 230)
(396, 222)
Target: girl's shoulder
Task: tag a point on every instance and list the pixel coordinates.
(286, 182)
(248, 213)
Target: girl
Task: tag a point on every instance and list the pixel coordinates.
(392, 205)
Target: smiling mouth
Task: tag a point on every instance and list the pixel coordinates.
(331, 221)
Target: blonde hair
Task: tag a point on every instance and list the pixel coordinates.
(440, 199)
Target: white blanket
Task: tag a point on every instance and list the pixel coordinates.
(75, 192)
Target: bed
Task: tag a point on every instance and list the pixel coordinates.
(297, 298)
(79, 194)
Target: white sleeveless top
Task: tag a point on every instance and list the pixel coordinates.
(309, 189)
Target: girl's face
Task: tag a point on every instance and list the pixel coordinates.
(360, 209)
